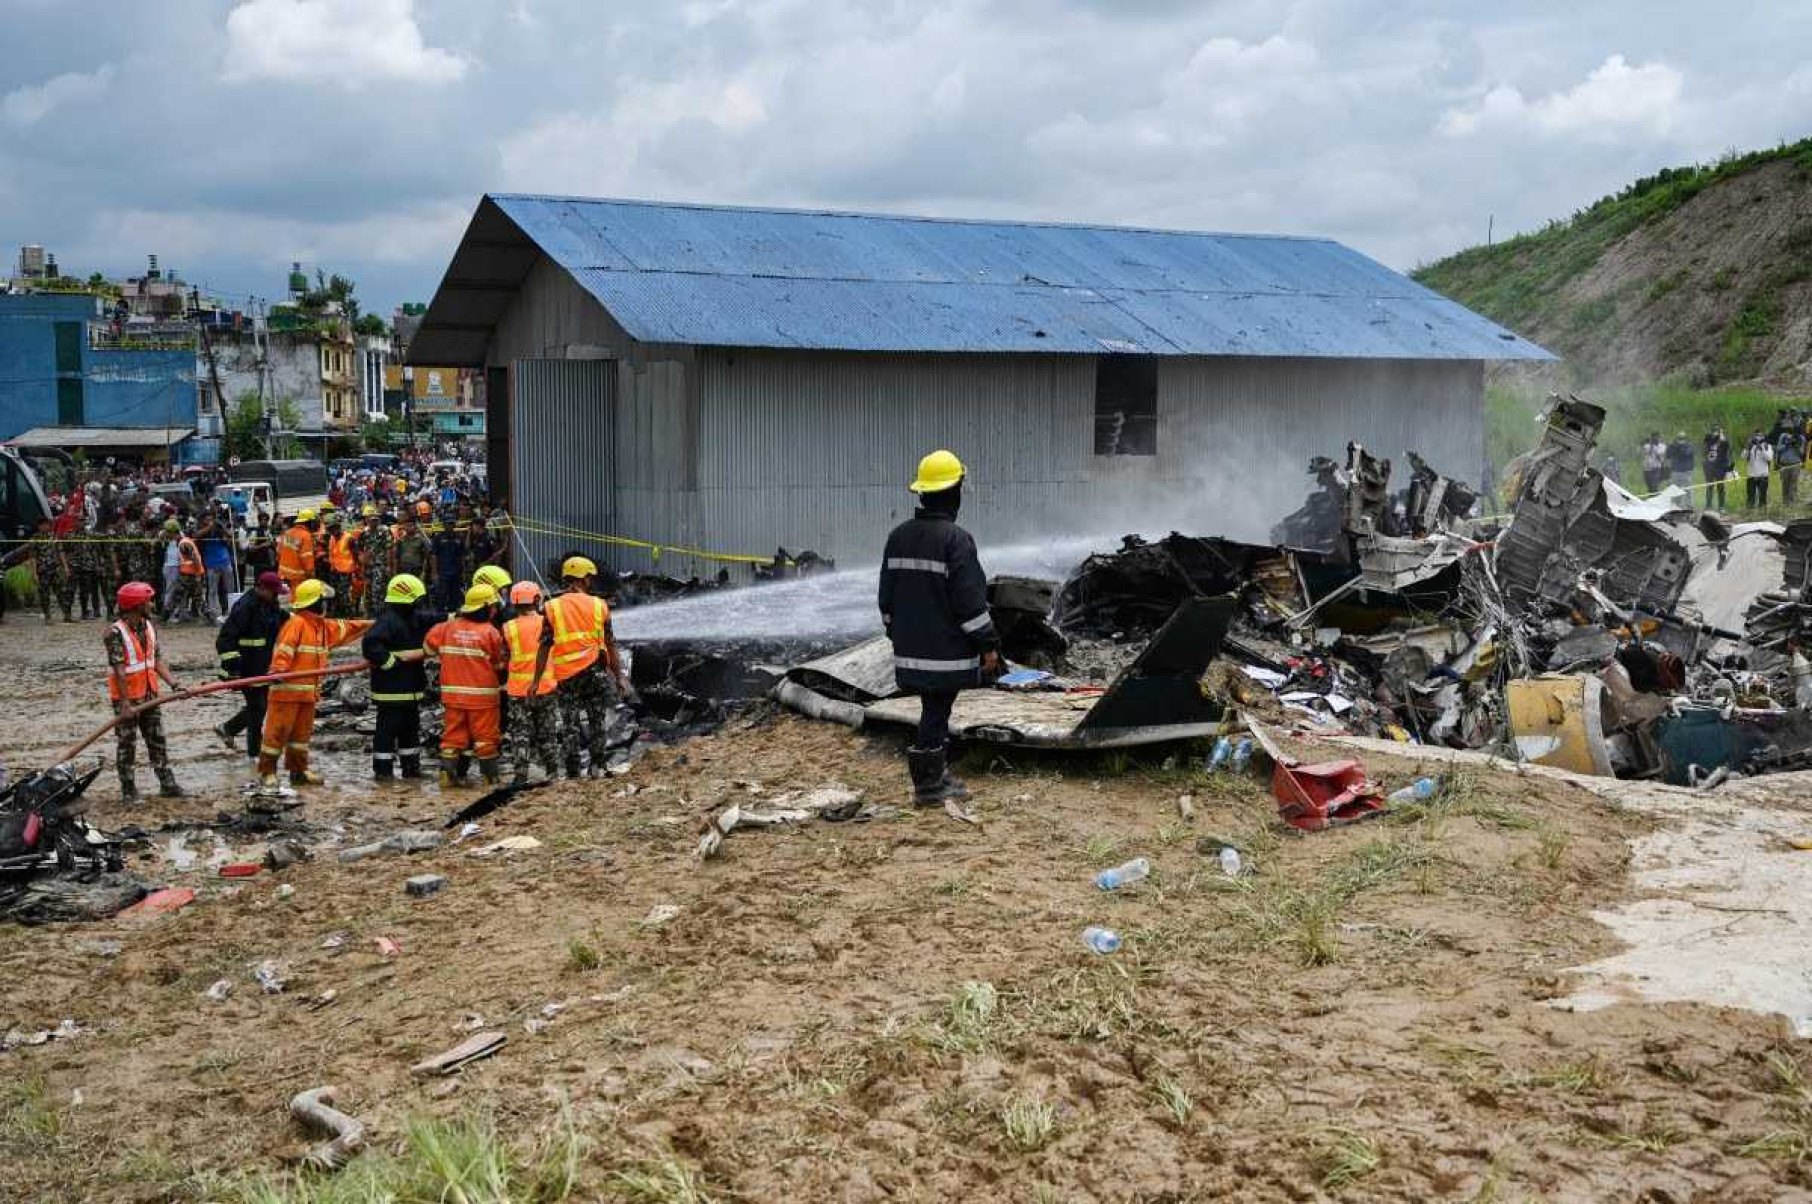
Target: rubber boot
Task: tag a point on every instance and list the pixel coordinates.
(128, 787)
(931, 784)
(305, 777)
(412, 765)
(487, 769)
(166, 785)
(383, 769)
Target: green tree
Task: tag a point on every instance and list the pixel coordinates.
(245, 433)
(371, 324)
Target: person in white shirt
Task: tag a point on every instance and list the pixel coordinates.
(1758, 462)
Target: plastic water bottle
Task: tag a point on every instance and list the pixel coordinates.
(1223, 749)
(1230, 863)
(1242, 755)
(1419, 789)
(1123, 875)
(1101, 940)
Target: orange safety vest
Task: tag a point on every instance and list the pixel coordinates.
(578, 621)
(523, 635)
(339, 553)
(472, 658)
(140, 669)
(296, 554)
(189, 558)
(303, 644)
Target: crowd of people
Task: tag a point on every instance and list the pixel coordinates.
(197, 549)
(1779, 451)
(406, 560)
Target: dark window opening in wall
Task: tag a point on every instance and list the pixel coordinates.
(1126, 405)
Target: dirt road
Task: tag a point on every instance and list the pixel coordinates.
(900, 1009)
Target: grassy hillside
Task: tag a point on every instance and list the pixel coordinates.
(1701, 274)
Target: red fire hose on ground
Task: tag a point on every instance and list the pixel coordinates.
(213, 687)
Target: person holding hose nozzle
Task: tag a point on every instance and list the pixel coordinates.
(244, 647)
(934, 604)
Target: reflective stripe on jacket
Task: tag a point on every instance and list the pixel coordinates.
(296, 554)
(398, 629)
(522, 636)
(304, 644)
(934, 600)
(472, 659)
(140, 669)
(578, 623)
(244, 641)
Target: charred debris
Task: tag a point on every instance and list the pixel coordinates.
(1587, 628)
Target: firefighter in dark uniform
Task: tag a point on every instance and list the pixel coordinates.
(243, 645)
(393, 645)
(934, 603)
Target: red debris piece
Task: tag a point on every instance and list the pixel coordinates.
(161, 902)
(1312, 798)
(240, 869)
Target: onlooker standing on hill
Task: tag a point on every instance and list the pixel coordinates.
(1654, 462)
(1679, 461)
(1758, 461)
(1789, 456)
(1612, 468)
(1718, 463)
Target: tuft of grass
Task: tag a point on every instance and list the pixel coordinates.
(1313, 933)
(1175, 1099)
(1029, 1124)
(1347, 1155)
(1103, 848)
(955, 888)
(1552, 847)
(1792, 1141)
(26, 1112)
(968, 1020)
(661, 1181)
(463, 1160)
(582, 957)
(1573, 1078)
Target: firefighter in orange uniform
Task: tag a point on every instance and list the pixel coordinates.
(303, 644)
(472, 663)
(296, 550)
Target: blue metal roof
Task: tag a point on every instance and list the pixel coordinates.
(696, 274)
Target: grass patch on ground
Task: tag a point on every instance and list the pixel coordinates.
(1791, 1139)
(464, 1160)
(1346, 1156)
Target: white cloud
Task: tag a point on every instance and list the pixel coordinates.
(347, 43)
(413, 234)
(1607, 104)
(34, 102)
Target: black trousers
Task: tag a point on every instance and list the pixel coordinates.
(1757, 489)
(250, 717)
(934, 718)
(399, 734)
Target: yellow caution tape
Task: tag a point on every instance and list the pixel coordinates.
(537, 526)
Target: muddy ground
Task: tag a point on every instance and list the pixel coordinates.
(899, 1009)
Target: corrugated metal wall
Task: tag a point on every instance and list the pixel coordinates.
(562, 440)
(745, 451)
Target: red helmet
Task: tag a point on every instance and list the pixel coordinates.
(133, 594)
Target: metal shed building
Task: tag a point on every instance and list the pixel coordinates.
(745, 379)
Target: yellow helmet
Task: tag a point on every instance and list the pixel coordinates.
(310, 592)
(938, 472)
(477, 598)
(306, 516)
(405, 587)
(368, 511)
(493, 576)
(577, 568)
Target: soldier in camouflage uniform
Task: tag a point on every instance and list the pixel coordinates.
(50, 564)
(85, 551)
(146, 553)
(133, 673)
(374, 554)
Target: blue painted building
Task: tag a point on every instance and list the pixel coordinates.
(61, 367)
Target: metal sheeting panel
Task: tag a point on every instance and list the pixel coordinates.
(562, 445)
(703, 275)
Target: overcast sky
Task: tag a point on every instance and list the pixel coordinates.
(232, 136)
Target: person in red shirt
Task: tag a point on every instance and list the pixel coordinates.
(473, 660)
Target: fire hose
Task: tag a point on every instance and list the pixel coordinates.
(213, 687)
